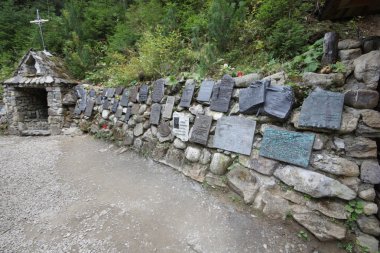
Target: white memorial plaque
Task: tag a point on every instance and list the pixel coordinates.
(181, 126)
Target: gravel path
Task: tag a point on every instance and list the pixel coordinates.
(63, 194)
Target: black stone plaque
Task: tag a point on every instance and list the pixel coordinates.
(124, 98)
(164, 129)
(158, 90)
(187, 94)
(133, 91)
(106, 104)
(143, 93)
(119, 91)
(89, 107)
(83, 102)
(110, 92)
(115, 105)
(92, 93)
(168, 110)
(98, 100)
(201, 129)
(253, 97)
(235, 134)
(322, 109)
(221, 94)
(155, 114)
(205, 91)
(128, 114)
(279, 101)
(286, 146)
(81, 92)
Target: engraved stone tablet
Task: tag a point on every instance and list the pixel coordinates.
(279, 101)
(92, 93)
(181, 126)
(221, 94)
(205, 91)
(164, 129)
(133, 93)
(110, 92)
(83, 102)
(201, 129)
(106, 104)
(128, 114)
(155, 114)
(158, 90)
(115, 105)
(104, 92)
(143, 93)
(98, 100)
(253, 97)
(89, 107)
(235, 134)
(168, 110)
(77, 110)
(124, 99)
(187, 94)
(322, 109)
(81, 92)
(286, 146)
(119, 91)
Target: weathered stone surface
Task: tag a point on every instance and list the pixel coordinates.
(367, 69)
(367, 194)
(351, 182)
(319, 141)
(349, 122)
(179, 144)
(335, 165)
(370, 172)
(205, 90)
(201, 129)
(143, 93)
(221, 94)
(361, 99)
(331, 208)
(278, 78)
(321, 227)
(174, 158)
(187, 94)
(323, 80)
(366, 131)
(129, 137)
(313, 183)
(192, 154)
(214, 115)
(205, 157)
(133, 91)
(216, 181)
(348, 44)
(242, 182)
(138, 130)
(370, 208)
(368, 241)
(159, 152)
(137, 144)
(369, 225)
(258, 163)
(349, 54)
(371, 118)
(244, 81)
(275, 206)
(253, 97)
(279, 101)
(70, 98)
(360, 147)
(195, 171)
(197, 109)
(220, 163)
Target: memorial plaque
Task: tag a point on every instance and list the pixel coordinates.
(133, 91)
(158, 90)
(83, 102)
(77, 110)
(201, 129)
(168, 110)
(187, 94)
(164, 129)
(106, 104)
(110, 92)
(98, 100)
(115, 105)
(279, 101)
(205, 91)
(286, 146)
(119, 112)
(143, 93)
(322, 109)
(181, 125)
(92, 93)
(253, 97)
(124, 98)
(119, 91)
(235, 134)
(104, 92)
(221, 94)
(155, 114)
(128, 114)
(81, 92)
(89, 107)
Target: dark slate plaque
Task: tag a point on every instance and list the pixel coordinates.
(83, 102)
(253, 97)
(205, 91)
(164, 129)
(168, 110)
(81, 92)
(106, 104)
(98, 100)
(89, 107)
(124, 98)
(155, 114)
(221, 94)
(143, 93)
(110, 92)
(201, 129)
(279, 101)
(322, 109)
(235, 134)
(77, 110)
(128, 114)
(158, 90)
(92, 93)
(187, 94)
(115, 105)
(286, 146)
(133, 91)
(119, 91)
(104, 92)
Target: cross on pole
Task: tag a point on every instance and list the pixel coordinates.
(39, 22)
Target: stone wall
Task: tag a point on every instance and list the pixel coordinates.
(343, 171)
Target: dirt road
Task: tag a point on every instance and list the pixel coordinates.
(64, 194)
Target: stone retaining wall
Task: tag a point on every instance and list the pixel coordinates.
(343, 168)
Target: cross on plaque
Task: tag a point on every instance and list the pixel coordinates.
(39, 22)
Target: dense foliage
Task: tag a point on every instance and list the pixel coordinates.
(117, 42)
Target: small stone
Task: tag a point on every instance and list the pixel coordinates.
(105, 114)
(351, 182)
(319, 142)
(361, 99)
(368, 194)
(370, 208)
(350, 54)
(348, 44)
(349, 122)
(137, 144)
(216, 181)
(258, 163)
(324, 80)
(275, 206)
(369, 242)
(192, 154)
(371, 118)
(338, 144)
(214, 115)
(142, 109)
(370, 172)
(360, 147)
(205, 157)
(369, 225)
(242, 182)
(220, 163)
(179, 144)
(335, 165)
(197, 109)
(139, 129)
(367, 69)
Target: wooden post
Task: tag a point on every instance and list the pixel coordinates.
(330, 48)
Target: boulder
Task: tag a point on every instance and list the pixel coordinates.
(367, 69)
(315, 184)
(367, 241)
(321, 227)
(214, 115)
(205, 157)
(360, 147)
(361, 99)
(348, 44)
(349, 54)
(258, 163)
(174, 158)
(179, 144)
(349, 122)
(370, 172)
(220, 163)
(335, 165)
(216, 181)
(192, 154)
(323, 80)
(195, 171)
(369, 225)
(367, 194)
(246, 80)
(278, 78)
(242, 182)
(370, 208)
(371, 118)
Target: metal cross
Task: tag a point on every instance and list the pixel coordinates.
(39, 22)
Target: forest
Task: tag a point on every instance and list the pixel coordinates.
(120, 42)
